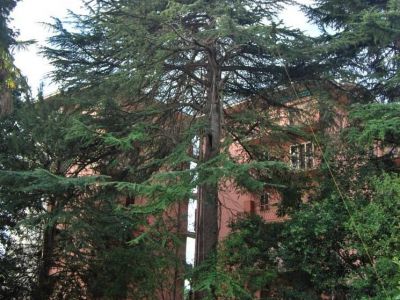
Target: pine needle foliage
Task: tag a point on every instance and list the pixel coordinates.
(360, 41)
(176, 70)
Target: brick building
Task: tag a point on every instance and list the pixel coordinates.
(300, 154)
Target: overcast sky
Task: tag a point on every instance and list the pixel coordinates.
(29, 15)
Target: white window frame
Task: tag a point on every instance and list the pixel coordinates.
(300, 157)
(264, 204)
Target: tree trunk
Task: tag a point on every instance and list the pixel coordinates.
(6, 106)
(45, 282)
(6, 103)
(207, 205)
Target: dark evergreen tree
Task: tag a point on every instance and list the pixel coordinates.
(142, 80)
(8, 72)
(71, 226)
(17, 262)
(343, 242)
(189, 63)
(360, 41)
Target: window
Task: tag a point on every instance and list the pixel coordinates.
(129, 200)
(264, 202)
(292, 116)
(302, 156)
(196, 146)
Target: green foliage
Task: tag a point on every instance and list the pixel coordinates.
(142, 80)
(360, 43)
(169, 71)
(313, 242)
(252, 257)
(12, 83)
(377, 225)
(249, 253)
(246, 261)
(214, 281)
(6, 34)
(59, 197)
(375, 122)
(345, 240)
(337, 252)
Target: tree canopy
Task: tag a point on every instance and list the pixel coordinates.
(8, 72)
(191, 60)
(95, 180)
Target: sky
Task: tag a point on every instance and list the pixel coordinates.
(29, 16)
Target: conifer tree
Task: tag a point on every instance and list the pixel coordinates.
(66, 228)
(16, 260)
(8, 72)
(360, 41)
(197, 59)
(343, 243)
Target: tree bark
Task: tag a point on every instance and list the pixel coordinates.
(45, 282)
(207, 205)
(6, 106)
